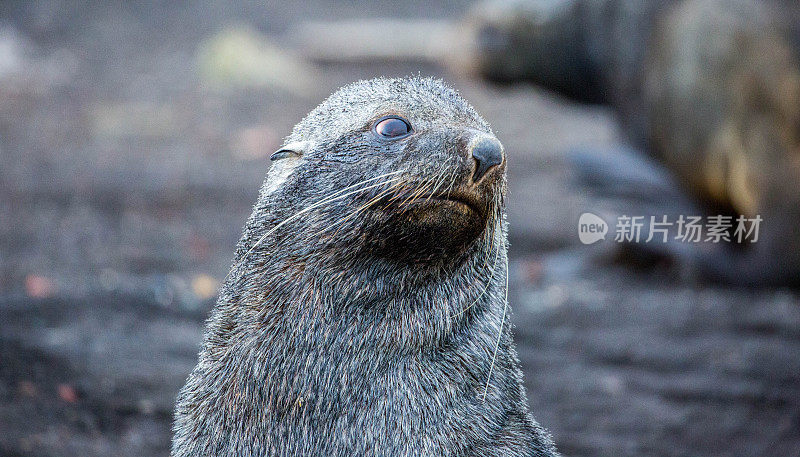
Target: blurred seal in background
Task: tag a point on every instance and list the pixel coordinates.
(710, 88)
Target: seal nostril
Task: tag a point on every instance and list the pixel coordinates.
(488, 153)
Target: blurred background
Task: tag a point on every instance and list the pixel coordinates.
(134, 137)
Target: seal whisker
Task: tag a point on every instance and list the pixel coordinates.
(420, 193)
(494, 220)
(363, 207)
(452, 181)
(406, 204)
(397, 194)
(382, 194)
(356, 211)
(435, 183)
(399, 190)
(485, 288)
(323, 201)
(490, 233)
(499, 336)
(423, 188)
(440, 179)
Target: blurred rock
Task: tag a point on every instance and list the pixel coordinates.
(27, 389)
(67, 393)
(25, 69)
(255, 143)
(37, 286)
(11, 51)
(383, 39)
(120, 120)
(204, 286)
(241, 57)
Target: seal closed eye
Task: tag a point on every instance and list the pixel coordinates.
(366, 309)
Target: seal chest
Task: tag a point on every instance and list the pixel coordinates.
(366, 309)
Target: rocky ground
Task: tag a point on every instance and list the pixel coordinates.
(129, 166)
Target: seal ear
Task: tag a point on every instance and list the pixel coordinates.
(293, 149)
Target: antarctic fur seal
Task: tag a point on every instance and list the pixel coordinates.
(710, 88)
(366, 309)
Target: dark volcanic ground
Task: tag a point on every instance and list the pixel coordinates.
(125, 178)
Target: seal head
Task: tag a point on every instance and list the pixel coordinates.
(432, 171)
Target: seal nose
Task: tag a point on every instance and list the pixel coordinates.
(488, 153)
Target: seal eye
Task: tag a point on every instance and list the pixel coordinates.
(392, 127)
